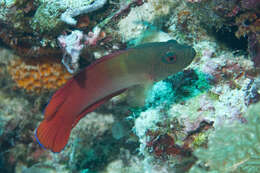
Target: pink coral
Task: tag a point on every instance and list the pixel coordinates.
(74, 43)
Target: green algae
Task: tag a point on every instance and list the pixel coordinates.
(177, 88)
(47, 18)
(200, 140)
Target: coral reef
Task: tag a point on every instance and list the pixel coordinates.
(141, 18)
(190, 121)
(177, 88)
(43, 75)
(183, 109)
(234, 146)
(31, 27)
(83, 7)
(16, 31)
(242, 14)
(73, 44)
(47, 17)
(18, 120)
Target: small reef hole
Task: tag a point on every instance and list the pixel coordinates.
(226, 36)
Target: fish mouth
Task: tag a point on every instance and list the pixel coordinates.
(193, 53)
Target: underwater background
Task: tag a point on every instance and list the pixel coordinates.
(205, 118)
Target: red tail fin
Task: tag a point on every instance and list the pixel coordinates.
(54, 134)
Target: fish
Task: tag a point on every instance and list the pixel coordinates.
(107, 77)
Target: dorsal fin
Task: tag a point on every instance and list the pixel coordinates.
(105, 58)
(95, 105)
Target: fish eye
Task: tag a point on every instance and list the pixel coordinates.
(169, 58)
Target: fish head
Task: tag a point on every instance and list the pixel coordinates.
(170, 58)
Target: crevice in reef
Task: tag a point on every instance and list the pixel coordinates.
(226, 37)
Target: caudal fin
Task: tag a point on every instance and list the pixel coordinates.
(53, 134)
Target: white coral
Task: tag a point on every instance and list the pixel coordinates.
(91, 6)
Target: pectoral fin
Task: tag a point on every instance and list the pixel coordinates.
(137, 94)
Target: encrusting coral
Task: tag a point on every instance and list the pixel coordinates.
(36, 76)
(234, 147)
(86, 7)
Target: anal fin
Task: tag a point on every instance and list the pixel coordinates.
(96, 105)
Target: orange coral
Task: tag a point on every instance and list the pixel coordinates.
(37, 75)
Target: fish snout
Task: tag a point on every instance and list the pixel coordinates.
(193, 53)
(190, 54)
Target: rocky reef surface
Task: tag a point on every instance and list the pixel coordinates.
(203, 119)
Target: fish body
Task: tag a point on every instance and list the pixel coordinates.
(105, 78)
